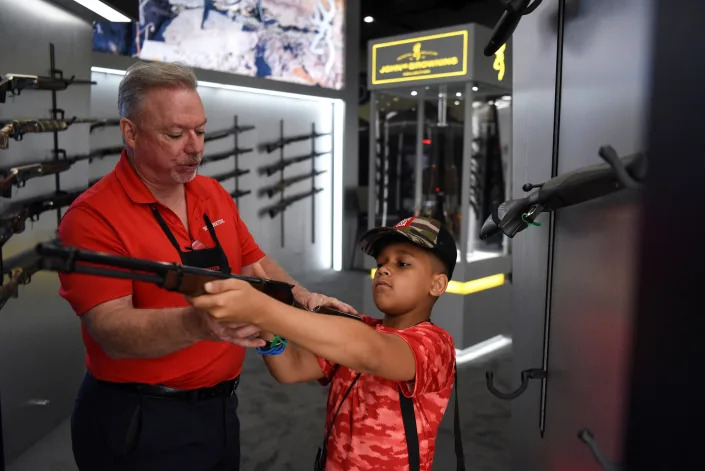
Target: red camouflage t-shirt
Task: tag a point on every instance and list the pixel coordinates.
(368, 433)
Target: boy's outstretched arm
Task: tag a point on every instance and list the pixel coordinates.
(340, 340)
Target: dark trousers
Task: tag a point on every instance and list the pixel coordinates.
(116, 430)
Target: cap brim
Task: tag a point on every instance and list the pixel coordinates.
(371, 241)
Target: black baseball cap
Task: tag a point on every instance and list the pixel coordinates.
(422, 231)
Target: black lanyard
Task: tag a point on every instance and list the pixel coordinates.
(203, 258)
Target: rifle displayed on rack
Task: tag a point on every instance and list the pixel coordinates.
(18, 176)
(239, 193)
(272, 146)
(232, 174)
(286, 202)
(186, 280)
(102, 123)
(19, 127)
(282, 164)
(574, 187)
(19, 270)
(15, 83)
(12, 220)
(225, 155)
(287, 182)
(212, 136)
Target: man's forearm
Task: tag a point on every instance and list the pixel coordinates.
(143, 333)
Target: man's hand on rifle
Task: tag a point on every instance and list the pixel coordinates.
(235, 333)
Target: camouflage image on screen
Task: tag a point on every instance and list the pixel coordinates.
(298, 41)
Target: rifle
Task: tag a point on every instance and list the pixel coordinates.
(15, 83)
(212, 136)
(94, 154)
(272, 146)
(239, 193)
(572, 188)
(19, 175)
(278, 208)
(101, 123)
(225, 155)
(183, 279)
(287, 182)
(282, 164)
(19, 127)
(232, 174)
(12, 221)
(19, 270)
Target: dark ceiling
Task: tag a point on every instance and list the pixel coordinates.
(393, 17)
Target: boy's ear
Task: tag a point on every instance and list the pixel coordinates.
(439, 284)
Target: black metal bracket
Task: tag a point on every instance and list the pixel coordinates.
(610, 156)
(526, 375)
(586, 436)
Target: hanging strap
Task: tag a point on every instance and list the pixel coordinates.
(412, 436)
(164, 227)
(332, 421)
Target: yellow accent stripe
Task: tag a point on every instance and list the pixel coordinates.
(469, 287)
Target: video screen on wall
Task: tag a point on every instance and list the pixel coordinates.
(300, 41)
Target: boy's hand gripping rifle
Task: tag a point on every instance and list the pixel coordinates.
(186, 280)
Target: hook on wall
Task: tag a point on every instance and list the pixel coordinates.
(586, 436)
(526, 375)
(623, 176)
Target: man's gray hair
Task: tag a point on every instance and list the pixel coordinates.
(142, 76)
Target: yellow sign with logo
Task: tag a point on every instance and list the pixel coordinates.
(421, 58)
(498, 64)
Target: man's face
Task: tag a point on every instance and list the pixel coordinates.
(167, 135)
(403, 278)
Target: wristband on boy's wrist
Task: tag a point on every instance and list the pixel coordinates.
(273, 347)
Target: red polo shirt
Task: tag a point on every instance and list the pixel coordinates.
(113, 216)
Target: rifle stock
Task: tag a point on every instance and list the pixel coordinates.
(19, 270)
(282, 164)
(272, 146)
(19, 127)
(225, 155)
(212, 136)
(19, 175)
(287, 182)
(15, 83)
(102, 123)
(232, 174)
(239, 193)
(278, 208)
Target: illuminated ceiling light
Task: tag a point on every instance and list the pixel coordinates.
(507, 97)
(490, 102)
(458, 94)
(481, 349)
(107, 12)
(414, 93)
(368, 19)
(457, 102)
(475, 88)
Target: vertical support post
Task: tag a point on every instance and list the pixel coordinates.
(418, 190)
(281, 178)
(371, 184)
(237, 163)
(313, 183)
(55, 114)
(333, 189)
(468, 225)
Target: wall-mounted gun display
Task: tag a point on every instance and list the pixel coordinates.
(12, 220)
(286, 202)
(186, 280)
(19, 175)
(272, 146)
(19, 270)
(15, 83)
(574, 187)
(19, 127)
(238, 193)
(232, 174)
(225, 155)
(212, 136)
(282, 164)
(287, 182)
(102, 123)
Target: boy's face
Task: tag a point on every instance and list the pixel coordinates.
(407, 278)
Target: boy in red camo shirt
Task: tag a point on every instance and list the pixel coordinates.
(371, 363)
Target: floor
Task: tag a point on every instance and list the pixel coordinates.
(295, 412)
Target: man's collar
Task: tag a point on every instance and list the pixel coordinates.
(138, 192)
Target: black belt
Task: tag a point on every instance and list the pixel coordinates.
(224, 389)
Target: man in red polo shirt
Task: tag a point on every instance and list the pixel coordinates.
(160, 389)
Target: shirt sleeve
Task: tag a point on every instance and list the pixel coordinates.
(85, 228)
(328, 368)
(248, 247)
(434, 354)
